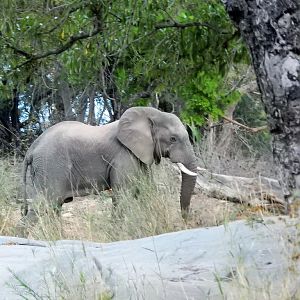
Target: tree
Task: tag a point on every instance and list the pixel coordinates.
(126, 52)
(271, 30)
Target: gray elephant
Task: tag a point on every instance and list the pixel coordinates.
(70, 158)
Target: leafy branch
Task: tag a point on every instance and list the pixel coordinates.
(15, 48)
(70, 10)
(97, 28)
(72, 40)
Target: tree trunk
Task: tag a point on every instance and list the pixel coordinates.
(91, 96)
(256, 191)
(66, 96)
(224, 137)
(271, 30)
(81, 109)
(5, 133)
(14, 113)
(14, 116)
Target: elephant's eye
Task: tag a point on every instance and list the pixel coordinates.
(173, 139)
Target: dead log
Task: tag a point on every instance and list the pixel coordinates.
(257, 191)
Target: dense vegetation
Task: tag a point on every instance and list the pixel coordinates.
(90, 60)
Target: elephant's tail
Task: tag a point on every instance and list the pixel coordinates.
(26, 163)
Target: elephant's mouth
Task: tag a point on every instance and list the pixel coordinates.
(166, 154)
(181, 166)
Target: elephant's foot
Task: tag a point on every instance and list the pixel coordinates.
(25, 223)
(21, 229)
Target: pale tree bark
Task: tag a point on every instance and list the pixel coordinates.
(271, 29)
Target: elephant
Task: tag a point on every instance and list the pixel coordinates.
(70, 158)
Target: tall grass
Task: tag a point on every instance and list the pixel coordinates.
(9, 184)
(148, 207)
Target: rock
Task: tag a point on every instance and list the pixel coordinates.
(233, 261)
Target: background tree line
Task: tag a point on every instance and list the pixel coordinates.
(90, 60)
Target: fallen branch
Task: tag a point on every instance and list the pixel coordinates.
(252, 191)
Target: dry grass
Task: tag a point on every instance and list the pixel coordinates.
(229, 152)
(156, 210)
(91, 218)
(9, 181)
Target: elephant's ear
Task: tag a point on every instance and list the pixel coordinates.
(135, 132)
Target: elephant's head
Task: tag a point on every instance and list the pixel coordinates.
(151, 134)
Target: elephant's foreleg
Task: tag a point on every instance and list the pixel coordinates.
(125, 171)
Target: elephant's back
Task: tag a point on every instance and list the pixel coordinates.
(53, 134)
(70, 134)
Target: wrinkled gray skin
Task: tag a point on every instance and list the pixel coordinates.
(71, 157)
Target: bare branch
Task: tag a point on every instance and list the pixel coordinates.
(143, 95)
(238, 84)
(254, 130)
(174, 24)
(104, 86)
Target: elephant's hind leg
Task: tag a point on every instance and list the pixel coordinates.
(28, 220)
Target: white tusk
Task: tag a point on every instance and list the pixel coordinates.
(185, 170)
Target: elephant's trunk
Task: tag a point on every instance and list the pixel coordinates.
(187, 186)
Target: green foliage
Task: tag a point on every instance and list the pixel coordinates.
(189, 62)
(183, 48)
(206, 97)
